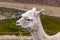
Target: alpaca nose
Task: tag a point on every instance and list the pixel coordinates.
(17, 22)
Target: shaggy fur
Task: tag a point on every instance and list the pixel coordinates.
(32, 22)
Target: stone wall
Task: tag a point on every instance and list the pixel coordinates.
(14, 37)
(40, 2)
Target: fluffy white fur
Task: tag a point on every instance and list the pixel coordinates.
(32, 22)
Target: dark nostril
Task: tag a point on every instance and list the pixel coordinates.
(17, 22)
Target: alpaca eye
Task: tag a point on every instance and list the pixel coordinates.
(28, 20)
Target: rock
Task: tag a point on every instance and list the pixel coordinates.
(2, 17)
(14, 37)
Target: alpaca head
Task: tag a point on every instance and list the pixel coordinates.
(29, 18)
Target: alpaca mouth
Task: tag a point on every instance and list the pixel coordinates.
(18, 25)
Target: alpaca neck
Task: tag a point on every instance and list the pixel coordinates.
(40, 34)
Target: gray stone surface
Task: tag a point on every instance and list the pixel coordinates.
(14, 37)
(2, 17)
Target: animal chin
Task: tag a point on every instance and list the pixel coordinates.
(18, 25)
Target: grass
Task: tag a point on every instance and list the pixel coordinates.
(51, 24)
(4, 26)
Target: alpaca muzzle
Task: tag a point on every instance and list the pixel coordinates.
(18, 24)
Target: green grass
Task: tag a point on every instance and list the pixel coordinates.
(4, 25)
(8, 26)
(51, 26)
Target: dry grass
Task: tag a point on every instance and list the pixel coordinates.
(48, 9)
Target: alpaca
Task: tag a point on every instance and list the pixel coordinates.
(31, 21)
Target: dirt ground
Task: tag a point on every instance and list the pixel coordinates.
(48, 9)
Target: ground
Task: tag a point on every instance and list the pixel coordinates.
(48, 9)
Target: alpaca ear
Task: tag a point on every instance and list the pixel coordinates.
(34, 9)
(40, 12)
